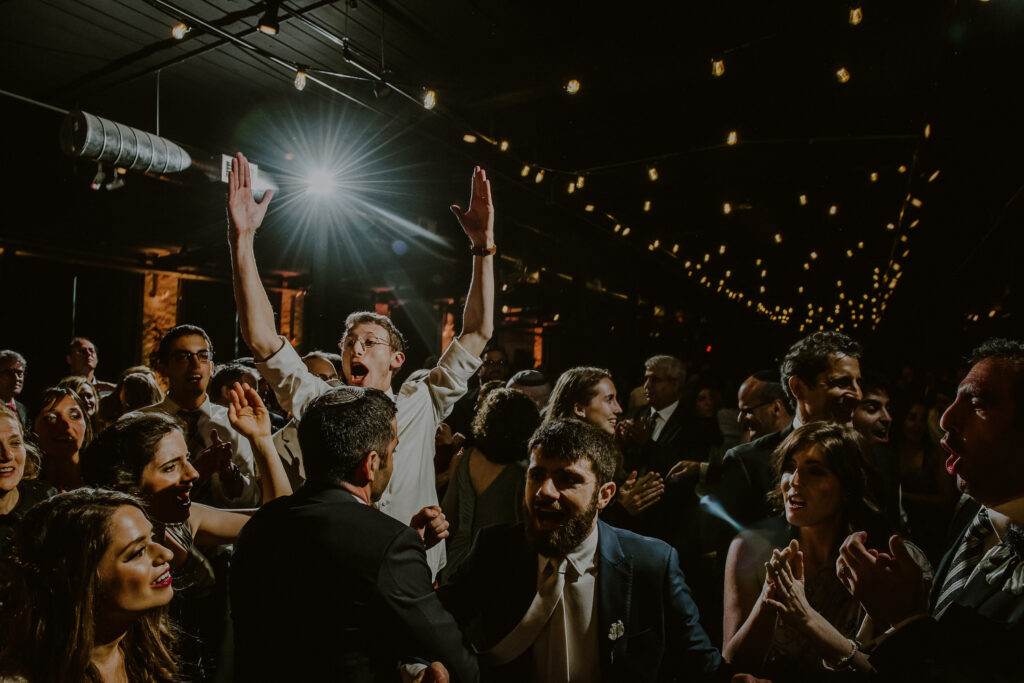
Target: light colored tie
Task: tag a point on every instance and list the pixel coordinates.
(519, 640)
(966, 559)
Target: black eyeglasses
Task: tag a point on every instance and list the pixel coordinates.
(186, 356)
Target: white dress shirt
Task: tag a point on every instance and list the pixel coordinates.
(422, 405)
(572, 629)
(663, 415)
(212, 417)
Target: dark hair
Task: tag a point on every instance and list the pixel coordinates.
(809, 357)
(487, 387)
(395, 337)
(52, 396)
(844, 450)
(122, 450)
(226, 375)
(51, 597)
(75, 384)
(769, 388)
(574, 386)
(140, 390)
(163, 352)
(75, 342)
(574, 440)
(1011, 351)
(875, 383)
(504, 424)
(334, 359)
(340, 427)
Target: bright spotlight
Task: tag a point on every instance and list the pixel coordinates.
(320, 183)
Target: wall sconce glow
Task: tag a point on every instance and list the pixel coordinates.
(843, 76)
(469, 138)
(300, 79)
(180, 30)
(731, 140)
(539, 177)
(503, 146)
(717, 68)
(652, 173)
(856, 16)
(727, 208)
(526, 171)
(572, 87)
(429, 99)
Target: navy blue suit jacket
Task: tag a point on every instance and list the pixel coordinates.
(638, 583)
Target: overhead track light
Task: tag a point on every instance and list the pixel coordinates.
(268, 22)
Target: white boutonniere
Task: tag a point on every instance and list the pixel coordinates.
(616, 631)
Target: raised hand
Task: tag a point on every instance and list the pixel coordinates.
(246, 412)
(478, 220)
(636, 495)
(214, 458)
(431, 525)
(890, 586)
(246, 214)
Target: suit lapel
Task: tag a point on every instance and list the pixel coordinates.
(614, 594)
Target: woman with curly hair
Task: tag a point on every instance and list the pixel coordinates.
(87, 594)
(487, 487)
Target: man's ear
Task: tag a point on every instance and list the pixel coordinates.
(578, 410)
(605, 495)
(397, 359)
(797, 386)
(367, 469)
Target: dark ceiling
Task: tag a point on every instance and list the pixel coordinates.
(918, 152)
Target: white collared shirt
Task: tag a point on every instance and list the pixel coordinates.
(574, 618)
(422, 405)
(663, 415)
(216, 417)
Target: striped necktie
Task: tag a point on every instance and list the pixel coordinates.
(966, 559)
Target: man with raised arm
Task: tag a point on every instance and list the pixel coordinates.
(372, 348)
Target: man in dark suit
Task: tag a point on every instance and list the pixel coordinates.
(565, 597)
(972, 628)
(323, 586)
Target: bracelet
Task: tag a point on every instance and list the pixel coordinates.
(844, 663)
(483, 251)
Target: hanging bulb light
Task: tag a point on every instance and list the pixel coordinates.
(647, 205)
(843, 76)
(526, 171)
(731, 140)
(572, 87)
(652, 173)
(803, 200)
(429, 99)
(717, 68)
(539, 177)
(180, 30)
(727, 208)
(856, 16)
(469, 137)
(300, 79)
(268, 22)
(503, 146)
(579, 182)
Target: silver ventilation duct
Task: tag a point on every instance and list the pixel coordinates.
(91, 137)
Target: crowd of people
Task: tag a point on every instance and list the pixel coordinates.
(299, 518)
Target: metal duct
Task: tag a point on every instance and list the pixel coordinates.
(91, 137)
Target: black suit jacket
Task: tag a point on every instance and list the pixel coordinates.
(325, 588)
(978, 638)
(638, 583)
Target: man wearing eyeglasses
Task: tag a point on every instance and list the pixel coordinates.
(372, 348)
(763, 407)
(222, 456)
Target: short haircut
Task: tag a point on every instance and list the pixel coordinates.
(75, 341)
(227, 374)
(395, 337)
(138, 390)
(807, 358)
(574, 386)
(116, 458)
(8, 355)
(52, 396)
(769, 388)
(875, 383)
(670, 364)
(493, 346)
(339, 429)
(527, 378)
(1011, 351)
(332, 358)
(504, 424)
(844, 449)
(163, 352)
(573, 440)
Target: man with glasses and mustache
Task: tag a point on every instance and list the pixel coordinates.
(372, 348)
(222, 456)
(565, 597)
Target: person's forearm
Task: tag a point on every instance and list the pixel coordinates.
(255, 315)
(749, 645)
(270, 469)
(478, 318)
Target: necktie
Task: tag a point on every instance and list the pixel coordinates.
(966, 559)
(193, 439)
(655, 421)
(549, 594)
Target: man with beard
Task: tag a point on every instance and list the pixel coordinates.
(569, 598)
(972, 626)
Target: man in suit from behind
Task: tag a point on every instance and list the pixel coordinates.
(324, 587)
(564, 597)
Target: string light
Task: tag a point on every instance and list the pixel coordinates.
(856, 16)
(469, 138)
(727, 208)
(625, 232)
(526, 171)
(572, 87)
(647, 205)
(778, 238)
(731, 140)
(657, 243)
(707, 257)
(571, 188)
(675, 248)
(180, 30)
(717, 68)
(300, 79)
(916, 202)
(832, 210)
(617, 228)
(503, 146)
(429, 99)
(927, 130)
(721, 249)
(849, 253)
(913, 223)
(579, 182)
(843, 76)
(902, 169)
(268, 22)
(860, 245)
(588, 208)
(814, 255)
(539, 177)
(652, 173)
(874, 176)
(803, 200)
(890, 226)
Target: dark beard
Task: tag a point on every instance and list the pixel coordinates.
(563, 540)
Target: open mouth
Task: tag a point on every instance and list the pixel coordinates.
(953, 461)
(357, 373)
(194, 378)
(548, 518)
(164, 580)
(185, 499)
(795, 503)
(881, 433)
(7, 470)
